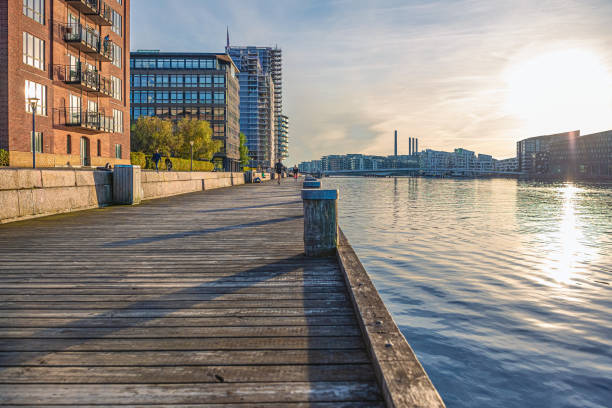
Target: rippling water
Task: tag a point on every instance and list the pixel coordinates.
(503, 288)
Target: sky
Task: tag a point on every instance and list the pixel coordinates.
(477, 74)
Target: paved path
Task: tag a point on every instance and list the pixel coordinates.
(203, 298)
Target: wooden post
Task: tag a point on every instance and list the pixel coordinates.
(320, 222)
(311, 184)
(127, 186)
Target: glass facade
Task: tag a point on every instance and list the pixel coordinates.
(202, 86)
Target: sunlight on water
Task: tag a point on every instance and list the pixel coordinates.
(501, 287)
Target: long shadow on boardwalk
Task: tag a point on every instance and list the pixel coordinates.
(268, 271)
(186, 234)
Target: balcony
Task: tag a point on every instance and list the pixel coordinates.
(89, 41)
(96, 10)
(84, 79)
(86, 120)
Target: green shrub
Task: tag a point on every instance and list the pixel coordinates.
(138, 159)
(179, 164)
(4, 157)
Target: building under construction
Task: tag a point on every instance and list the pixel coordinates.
(261, 102)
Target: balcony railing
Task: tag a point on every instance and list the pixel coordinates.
(88, 80)
(85, 119)
(88, 41)
(97, 10)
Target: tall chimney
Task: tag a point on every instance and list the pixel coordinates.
(395, 150)
(416, 146)
(409, 145)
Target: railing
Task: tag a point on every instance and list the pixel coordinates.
(84, 78)
(86, 119)
(97, 10)
(77, 33)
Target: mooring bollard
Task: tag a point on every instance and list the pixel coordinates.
(127, 187)
(320, 222)
(311, 184)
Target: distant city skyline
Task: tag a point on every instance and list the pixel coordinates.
(475, 73)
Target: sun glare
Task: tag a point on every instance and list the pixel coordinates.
(561, 90)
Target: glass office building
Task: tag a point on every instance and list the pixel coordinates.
(195, 85)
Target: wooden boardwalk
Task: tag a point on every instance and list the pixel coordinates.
(191, 300)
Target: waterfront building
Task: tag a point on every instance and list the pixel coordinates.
(506, 165)
(464, 159)
(435, 160)
(485, 162)
(586, 157)
(333, 162)
(527, 149)
(70, 55)
(261, 102)
(175, 85)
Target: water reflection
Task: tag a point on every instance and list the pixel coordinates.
(501, 287)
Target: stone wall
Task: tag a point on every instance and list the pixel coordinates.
(28, 193)
(164, 184)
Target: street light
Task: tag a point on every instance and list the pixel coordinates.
(191, 154)
(33, 101)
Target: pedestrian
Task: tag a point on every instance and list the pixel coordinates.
(279, 170)
(156, 159)
(295, 171)
(168, 164)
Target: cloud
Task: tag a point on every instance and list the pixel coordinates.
(356, 70)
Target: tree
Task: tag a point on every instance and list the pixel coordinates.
(150, 133)
(244, 150)
(198, 131)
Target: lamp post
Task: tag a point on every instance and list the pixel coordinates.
(191, 154)
(33, 101)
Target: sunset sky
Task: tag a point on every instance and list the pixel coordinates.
(478, 74)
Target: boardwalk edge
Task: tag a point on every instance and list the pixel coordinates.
(401, 376)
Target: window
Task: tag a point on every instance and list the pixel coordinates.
(99, 148)
(163, 63)
(205, 97)
(118, 151)
(117, 55)
(162, 97)
(161, 80)
(35, 9)
(219, 130)
(38, 136)
(176, 81)
(178, 63)
(206, 113)
(34, 90)
(204, 81)
(116, 87)
(219, 114)
(207, 63)
(191, 97)
(116, 17)
(117, 121)
(176, 97)
(68, 144)
(33, 51)
(189, 63)
(219, 97)
(219, 81)
(135, 81)
(191, 81)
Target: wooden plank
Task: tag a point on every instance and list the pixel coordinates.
(184, 343)
(185, 374)
(172, 358)
(188, 393)
(177, 332)
(177, 304)
(403, 379)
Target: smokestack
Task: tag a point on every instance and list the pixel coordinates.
(409, 145)
(395, 150)
(416, 146)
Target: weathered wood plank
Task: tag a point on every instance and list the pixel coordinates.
(185, 374)
(188, 393)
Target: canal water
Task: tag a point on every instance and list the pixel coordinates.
(502, 288)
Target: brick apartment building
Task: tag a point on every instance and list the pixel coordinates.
(73, 55)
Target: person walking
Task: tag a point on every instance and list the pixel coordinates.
(156, 159)
(168, 164)
(295, 171)
(279, 170)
